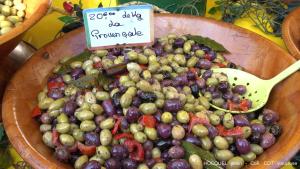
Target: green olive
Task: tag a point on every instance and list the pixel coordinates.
(143, 166)
(204, 102)
(148, 108)
(228, 121)
(131, 91)
(63, 127)
(47, 139)
(206, 143)
(223, 155)
(73, 126)
(103, 152)
(87, 125)
(102, 95)
(76, 64)
(229, 139)
(134, 128)
(142, 59)
(199, 53)
(235, 163)
(124, 78)
(67, 140)
(221, 143)
(134, 76)
(218, 102)
(200, 130)
(105, 137)
(144, 86)
(149, 52)
(87, 63)
(219, 113)
(70, 90)
(192, 62)
(90, 98)
(45, 103)
(134, 67)
(140, 137)
(81, 161)
(45, 127)
(84, 106)
(211, 81)
(208, 96)
(78, 134)
(67, 78)
(126, 100)
(151, 133)
(132, 55)
(159, 166)
(246, 131)
(156, 153)
(180, 59)
(62, 118)
(107, 123)
(183, 117)
(195, 162)
(54, 113)
(84, 115)
(5, 10)
(166, 117)
(96, 109)
(256, 149)
(57, 104)
(187, 47)
(101, 52)
(214, 119)
(178, 132)
(249, 156)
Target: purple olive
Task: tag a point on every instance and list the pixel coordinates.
(45, 118)
(178, 164)
(212, 55)
(172, 105)
(191, 75)
(176, 142)
(70, 107)
(241, 120)
(132, 114)
(223, 86)
(193, 139)
(242, 145)
(136, 101)
(108, 108)
(98, 119)
(112, 164)
(236, 98)
(228, 95)
(62, 154)
(216, 94)
(148, 145)
(267, 140)
(207, 74)
(158, 50)
(148, 154)
(116, 51)
(77, 73)
(270, 117)
(92, 139)
(164, 130)
(205, 64)
(239, 89)
(55, 94)
(92, 165)
(157, 116)
(167, 82)
(176, 152)
(180, 80)
(212, 131)
(150, 163)
(178, 43)
(129, 164)
(195, 47)
(124, 124)
(255, 138)
(201, 83)
(73, 119)
(258, 128)
(119, 151)
(165, 156)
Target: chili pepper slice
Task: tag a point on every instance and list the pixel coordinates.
(221, 65)
(244, 105)
(148, 121)
(136, 150)
(236, 131)
(232, 106)
(123, 135)
(97, 65)
(36, 112)
(86, 150)
(55, 138)
(55, 85)
(196, 120)
(144, 67)
(117, 125)
(206, 56)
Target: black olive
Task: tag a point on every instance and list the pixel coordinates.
(166, 75)
(148, 96)
(164, 144)
(195, 90)
(116, 99)
(276, 130)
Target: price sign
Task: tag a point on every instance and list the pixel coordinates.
(119, 26)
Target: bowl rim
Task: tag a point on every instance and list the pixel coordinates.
(16, 136)
(28, 23)
(287, 36)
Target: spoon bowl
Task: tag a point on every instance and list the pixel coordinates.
(258, 90)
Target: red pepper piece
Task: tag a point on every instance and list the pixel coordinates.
(144, 67)
(136, 150)
(236, 131)
(117, 125)
(86, 150)
(244, 105)
(221, 65)
(36, 112)
(196, 120)
(55, 85)
(74, 148)
(97, 65)
(68, 6)
(123, 135)
(206, 56)
(148, 121)
(55, 138)
(232, 106)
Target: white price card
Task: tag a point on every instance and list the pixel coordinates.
(119, 26)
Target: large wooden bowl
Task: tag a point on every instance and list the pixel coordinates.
(35, 10)
(291, 32)
(258, 55)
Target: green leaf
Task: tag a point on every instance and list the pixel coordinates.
(208, 157)
(213, 10)
(208, 42)
(85, 81)
(104, 80)
(65, 67)
(67, 19)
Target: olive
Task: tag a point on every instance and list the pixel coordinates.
(80, 161)
(173, 105)
(156, 153)
(276, 130)
(183, 116)
(148, 145)
(62, 154)
(192, 139)
(119, 152)
(235, 163)
(255, 138)
(223, 86)
(258, 128)
(178, 43)
(92, 138)
(164, 130)
(195, 162)
(166, 117)
(239, 89)
(108, 108)
(112, 164)
(45, 118)
(147, 96)
(269, 117)
(178, 164)
(223, 155)
(178, 132)
(132, 114)
(256, 149)
(221, 143)
(200, 130)
(55, 94)
(206, 143)
(212, 131)
(249, 156)
(159, 166)
(176, 152)
(241, 120)
(92, 165)
(243, 146)
(195, 89)
(267, 140)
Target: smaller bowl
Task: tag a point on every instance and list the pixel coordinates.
(291, 32)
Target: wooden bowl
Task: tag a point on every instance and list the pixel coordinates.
(257, 54)
(291, 32)
(35, 10)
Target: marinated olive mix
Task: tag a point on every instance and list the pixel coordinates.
(149, 108)
(12, 13)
